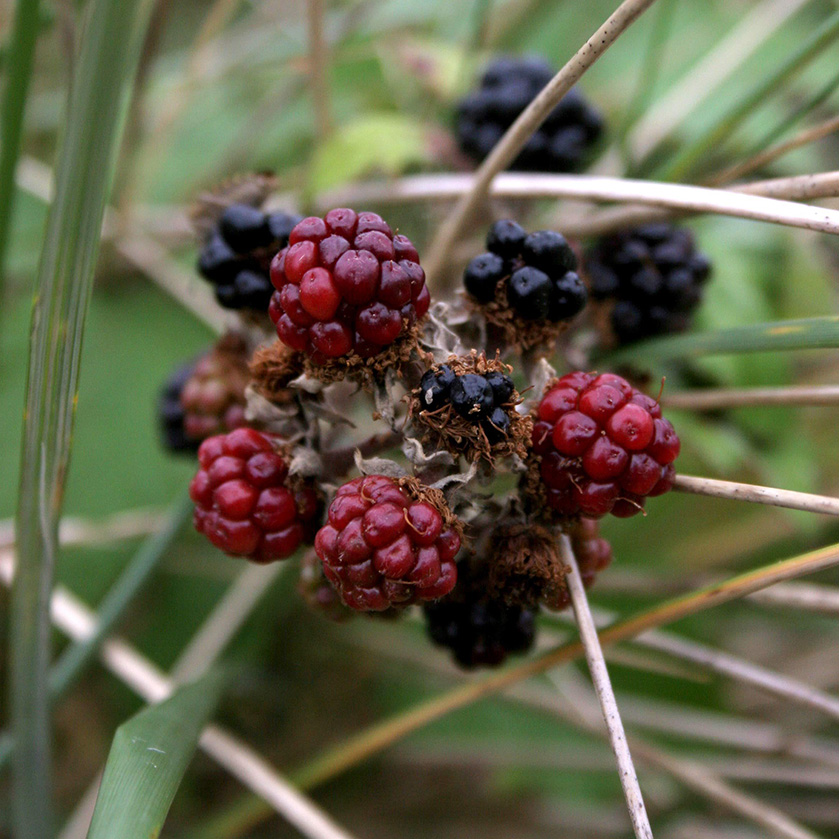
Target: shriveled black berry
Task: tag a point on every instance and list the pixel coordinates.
(570, 297)
(507, 87)
(549, 252)
(653, 275)
(171, 413)
(217, 261)
(529, 293)
(446, 376)
(244, 228)
(502, 387)
(433, 392)
(471, 396)
(497, 425)
(506, 238)
(482, 275)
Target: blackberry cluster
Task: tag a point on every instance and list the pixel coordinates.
(654, 277)
(479, 399)
(346, 284)
(172, 415)
(507, 87)
(236, 257)
(479, 629)
(539, 269)
(604, 447)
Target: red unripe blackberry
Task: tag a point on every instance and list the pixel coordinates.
(387, 545)
(345, 284)
(245, 503)
(603, 446)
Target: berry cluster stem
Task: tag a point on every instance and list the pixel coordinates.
(603, 687)
(758, 494)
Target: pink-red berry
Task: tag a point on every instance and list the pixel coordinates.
(244, 503)
(604, 446)
(383, 546)
(346, 284)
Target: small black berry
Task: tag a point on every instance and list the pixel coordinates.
(446, 376)
(171, 413)
(497, 425)
(280, 226)
(506, 238)
(251, 288)
(502, 387)
(244, 228)
(482, 275)
(549, 252)
(529, 293)
(433, 393)
(471, 396)
(570, 297)
(217, 260)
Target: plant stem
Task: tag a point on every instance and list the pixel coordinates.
(605, 694)
(319, 68)
(525, 125)
(758, 494)
(18, 71)
(726, 398)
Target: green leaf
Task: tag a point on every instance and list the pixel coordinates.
(148, 758)
(377, 143)
(804, 334)
(100, 90)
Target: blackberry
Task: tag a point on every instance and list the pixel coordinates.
(539, 269)
(171, 413)
(237, 255)
(388, 544)
(346, 285)
(479, 399)
(508, 85)
(603, 447)
(652, 277)
(479, 628)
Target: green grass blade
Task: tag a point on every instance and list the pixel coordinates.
(76, 657)
(18, 65)
(804, 334)
(86, 159)
(148, 758)
(678, 167)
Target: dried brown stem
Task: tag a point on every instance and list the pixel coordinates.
(712, 400)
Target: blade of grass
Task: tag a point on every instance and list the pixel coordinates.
(148, 758)
(803, 334)
(678, 167)
(86, 161)
(77, 657)
(18, 70)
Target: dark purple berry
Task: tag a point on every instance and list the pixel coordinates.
(506, 238)
(482, 275)
(529, 293)
(472, 396)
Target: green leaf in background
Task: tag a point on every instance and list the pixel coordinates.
(148, 759)
(376, 143)
(804, 334)
(87, 153)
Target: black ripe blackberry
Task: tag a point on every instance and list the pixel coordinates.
(236, 257)
(539, 270)
(507, 87)
(171, 413)
(479, 629)
(481, 400)
(653, 278)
